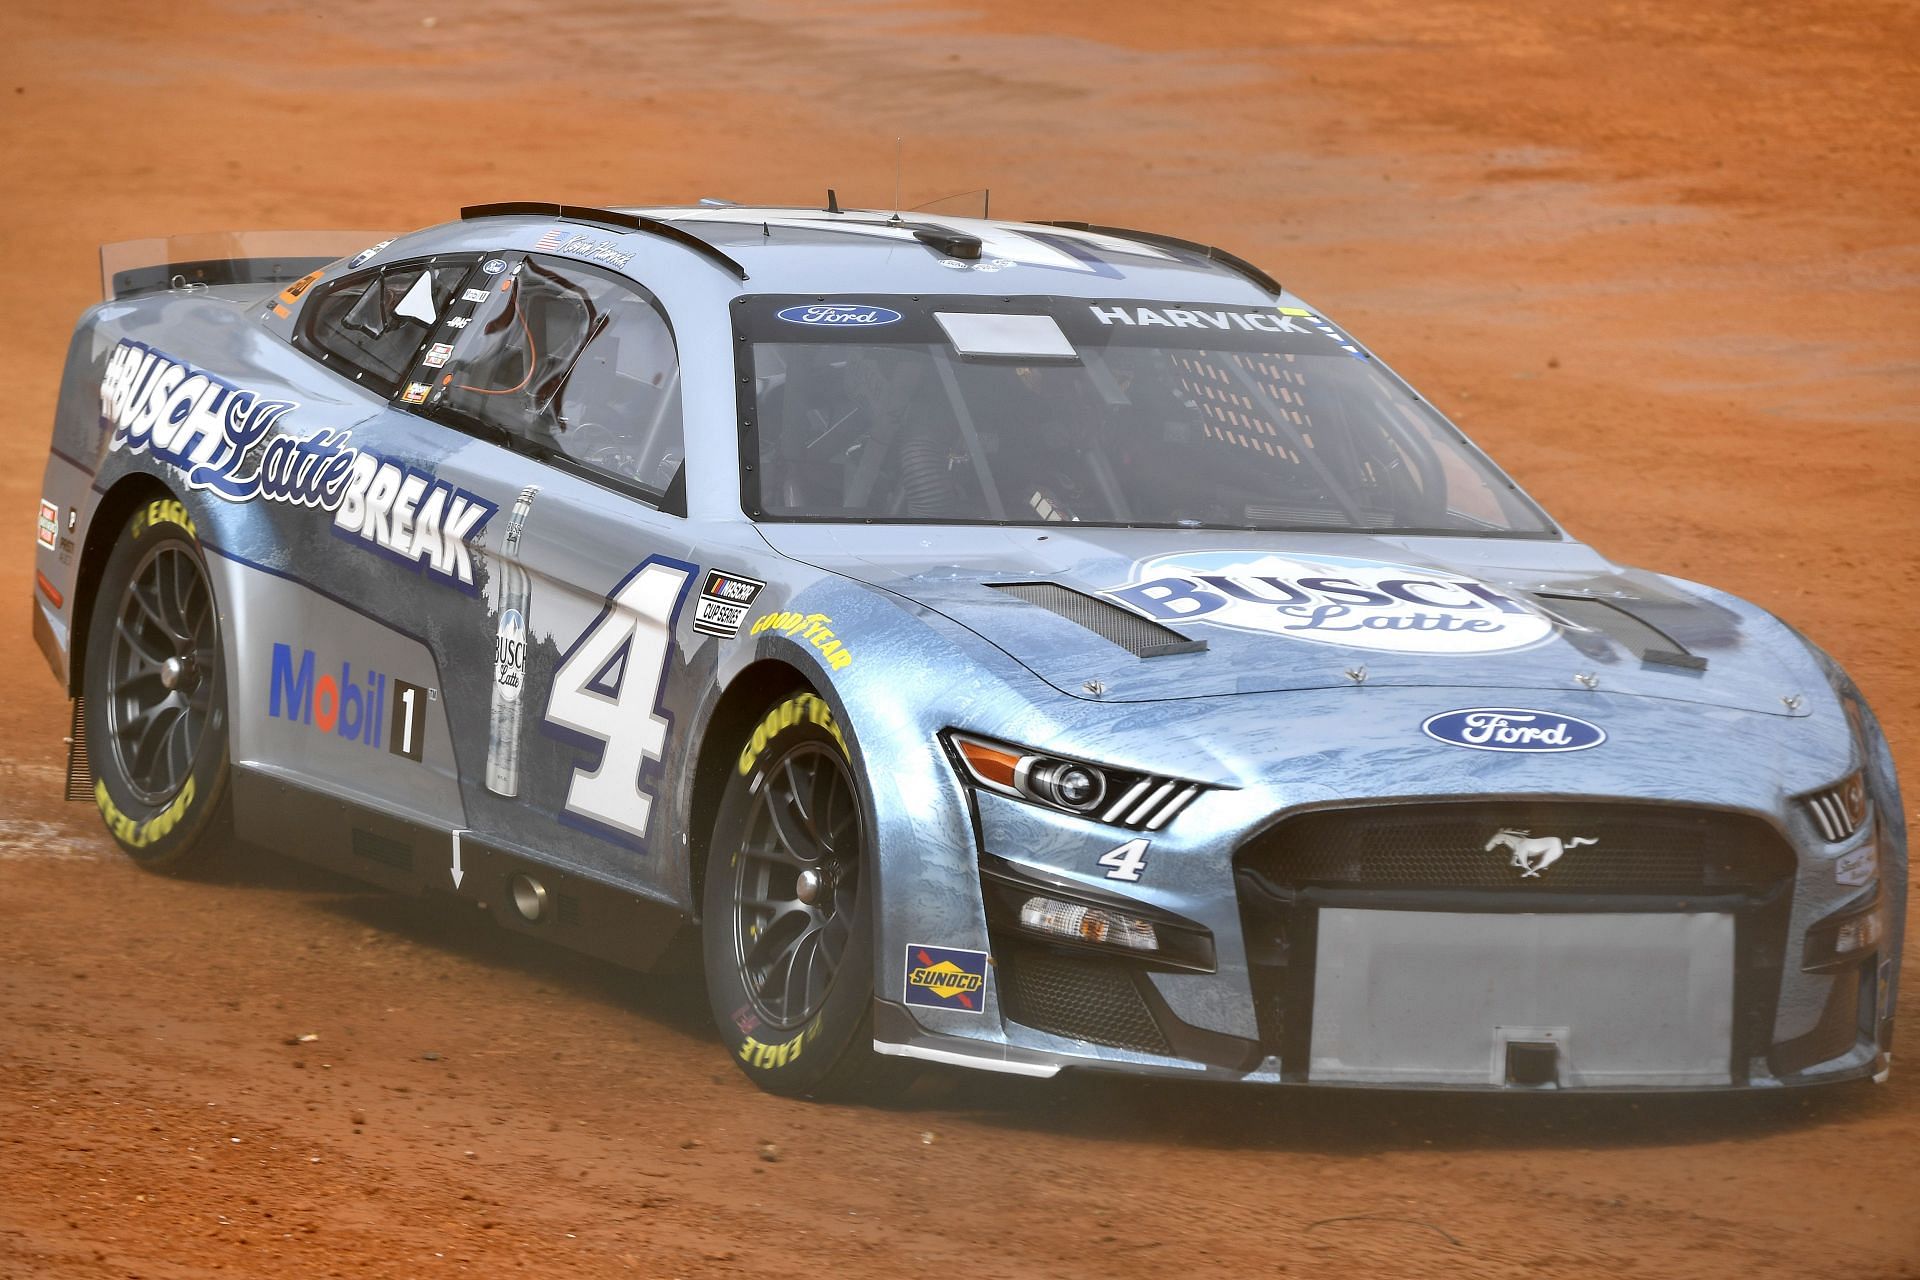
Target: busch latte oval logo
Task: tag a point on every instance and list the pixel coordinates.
(1362, 604)
(839, 316)
(1513, 729)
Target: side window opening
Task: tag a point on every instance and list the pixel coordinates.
(578, 364)
(370, 326)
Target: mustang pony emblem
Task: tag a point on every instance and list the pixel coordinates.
(1534, 854)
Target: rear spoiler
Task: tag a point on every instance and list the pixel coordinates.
(207, 260)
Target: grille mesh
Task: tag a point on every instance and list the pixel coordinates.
(1080, 999)
(1633, 849)
(1142, 637)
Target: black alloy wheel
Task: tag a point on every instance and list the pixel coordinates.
(796, 883)
(154, 677)
(165, 651)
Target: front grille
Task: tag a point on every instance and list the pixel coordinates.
(1080, 999)
(1536, 846)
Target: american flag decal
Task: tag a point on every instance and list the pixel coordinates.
(552, 240)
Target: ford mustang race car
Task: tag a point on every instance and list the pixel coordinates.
(1027, 647)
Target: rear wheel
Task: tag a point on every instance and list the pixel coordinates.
(155, 684)
(788, 909)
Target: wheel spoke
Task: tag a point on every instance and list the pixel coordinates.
(805, 819)
(793, 836)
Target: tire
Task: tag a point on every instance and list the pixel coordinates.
(155, 685)
(789, 963)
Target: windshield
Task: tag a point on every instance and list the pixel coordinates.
(1037, 410)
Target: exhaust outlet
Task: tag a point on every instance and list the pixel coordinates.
(529, 897)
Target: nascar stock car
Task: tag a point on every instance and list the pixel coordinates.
(1029, 647)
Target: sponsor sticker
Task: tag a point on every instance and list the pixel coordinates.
(1857, 868)
(1513, 729)
(48, 534)
(459, 322)
(946, 978)
(416, 393)
(475, 295)
(1336, 600)
(839, 315)
(813, 628)
(366, 255)
(724, 601)
(494, 266)
(350, 707)
(411, 517)
(438, 354)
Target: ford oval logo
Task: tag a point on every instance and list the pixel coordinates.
(1513, 729)
(839, 315)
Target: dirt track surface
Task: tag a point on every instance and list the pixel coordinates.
(1661, 259)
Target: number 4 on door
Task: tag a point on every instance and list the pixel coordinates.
(606, 697)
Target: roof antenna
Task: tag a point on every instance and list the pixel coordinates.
(896, 181)
(833, 201)
(986, 202)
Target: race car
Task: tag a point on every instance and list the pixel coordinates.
(1030, 647)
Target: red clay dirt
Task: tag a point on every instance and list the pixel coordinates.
(1660, 258)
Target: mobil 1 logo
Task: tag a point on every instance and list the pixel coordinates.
(370, 708)
(725, 599)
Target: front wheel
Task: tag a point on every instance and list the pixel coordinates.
(155, 684)
(788, 910)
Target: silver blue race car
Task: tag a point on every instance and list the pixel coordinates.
(1027, 647)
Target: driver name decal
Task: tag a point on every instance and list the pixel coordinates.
(1338, 600)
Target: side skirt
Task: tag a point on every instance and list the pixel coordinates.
(407, 856)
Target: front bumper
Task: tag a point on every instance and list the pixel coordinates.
(1668, 957)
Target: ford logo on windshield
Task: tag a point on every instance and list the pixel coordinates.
(839, 315)
(1513, 729)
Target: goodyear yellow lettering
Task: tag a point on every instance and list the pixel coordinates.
(812, 628)
(164, 511)
(138, 835)
(802, 706)
(771, 1057)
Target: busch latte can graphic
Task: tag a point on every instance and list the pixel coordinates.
(515, 602)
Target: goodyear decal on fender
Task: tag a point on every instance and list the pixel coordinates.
(946, 978)
(802, 706)
(138, 835)
(813, 628)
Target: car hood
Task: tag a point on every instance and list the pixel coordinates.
(1312, 611)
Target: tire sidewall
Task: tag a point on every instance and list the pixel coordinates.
(166, 834)
(785, 1060)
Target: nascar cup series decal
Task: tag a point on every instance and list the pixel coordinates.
(1513, 729)
(1361, 604)
(946, 978)
(839, 316)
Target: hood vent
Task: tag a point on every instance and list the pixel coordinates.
(1141, 637)
(1637, 636)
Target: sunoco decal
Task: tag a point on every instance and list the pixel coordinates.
(1513, 729)
(839, 316)
(1339, 600)
(943, 978)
